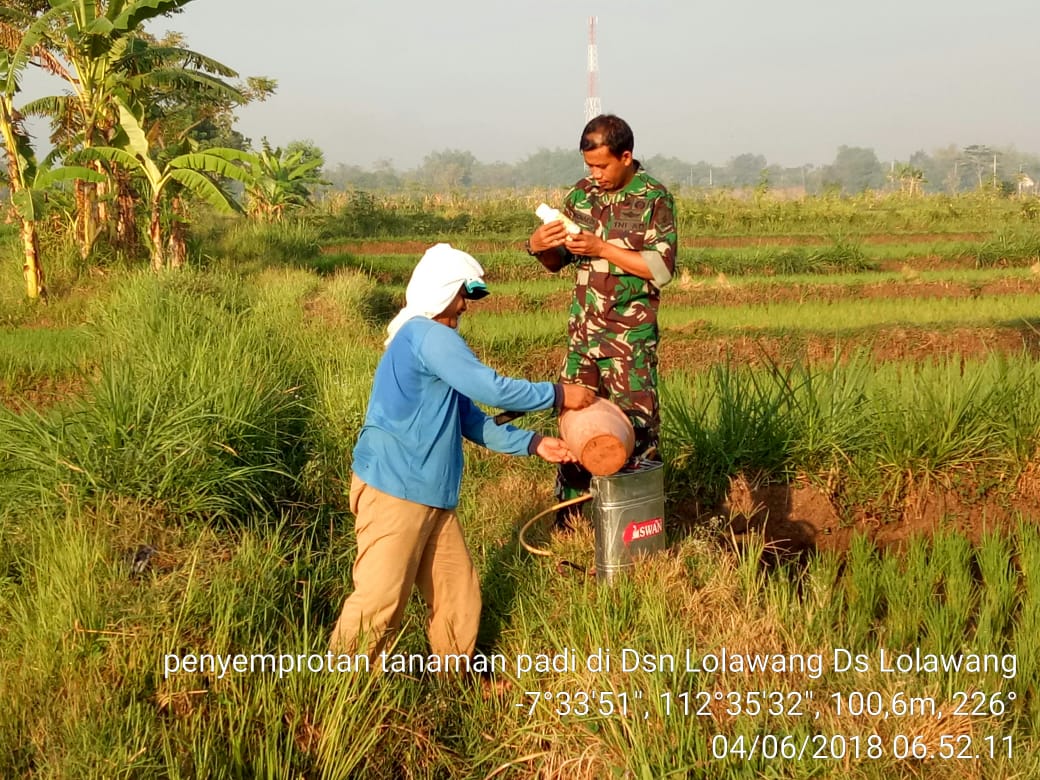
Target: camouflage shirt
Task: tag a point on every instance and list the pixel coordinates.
(610, 305)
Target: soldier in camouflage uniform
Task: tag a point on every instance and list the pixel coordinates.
(624, 255)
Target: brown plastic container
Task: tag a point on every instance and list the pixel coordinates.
(600, 436)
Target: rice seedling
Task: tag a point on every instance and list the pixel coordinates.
(997, 592)
(862, 595)
(946, 623)
(1027, 619)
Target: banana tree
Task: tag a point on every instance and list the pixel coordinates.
(282, 179)
(176, 91)
(28, 184)
(27, 181)
(194, 172)
(91, 37)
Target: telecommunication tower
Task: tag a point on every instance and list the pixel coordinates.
(593, 107)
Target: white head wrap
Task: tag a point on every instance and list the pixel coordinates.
(436, 280)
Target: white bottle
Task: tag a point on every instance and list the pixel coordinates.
(548, 214)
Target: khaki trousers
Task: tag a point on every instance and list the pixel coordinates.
(402, 544)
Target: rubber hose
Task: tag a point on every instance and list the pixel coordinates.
(539, 516)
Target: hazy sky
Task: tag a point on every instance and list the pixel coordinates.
(788, 79)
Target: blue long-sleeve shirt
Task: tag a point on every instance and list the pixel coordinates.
(420, 409)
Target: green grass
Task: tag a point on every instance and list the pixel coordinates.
(972, 276)
(216, 430)
(1014, 249)
(509, 215)
(127, 710)
(244, 244)
(197, 406)
(44, 351)
(510, 271)
(886, 428)
(530, 325)
(847, 316)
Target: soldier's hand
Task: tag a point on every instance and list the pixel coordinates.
(585, 243)
(554, 451)
(576, 396)
(549, 236)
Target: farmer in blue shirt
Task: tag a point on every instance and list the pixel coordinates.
(408, 462)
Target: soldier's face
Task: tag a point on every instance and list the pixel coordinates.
(609, 172)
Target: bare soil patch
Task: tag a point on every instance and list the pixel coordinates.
(798, 519)
(41, 393)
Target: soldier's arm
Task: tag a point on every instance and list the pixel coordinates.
(660, 242)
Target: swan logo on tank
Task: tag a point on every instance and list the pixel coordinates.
(643, 529)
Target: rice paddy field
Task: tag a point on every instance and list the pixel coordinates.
(851, 586)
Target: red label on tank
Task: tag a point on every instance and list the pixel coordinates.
(644, 529)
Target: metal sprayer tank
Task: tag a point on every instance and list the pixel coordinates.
(627, 495)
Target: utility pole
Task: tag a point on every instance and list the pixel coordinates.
(593, 107)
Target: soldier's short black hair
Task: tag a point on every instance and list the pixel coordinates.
(613, 132)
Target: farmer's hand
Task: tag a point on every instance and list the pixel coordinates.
(576, 396)
(554, 451)
(549, 236)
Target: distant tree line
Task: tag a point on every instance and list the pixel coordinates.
(854, 169)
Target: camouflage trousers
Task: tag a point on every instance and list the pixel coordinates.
(630, 382)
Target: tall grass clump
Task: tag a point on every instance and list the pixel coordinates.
(246, 244)
(1008, 247)
(363, 214)
(44, 361)
(949, 619)
(354, 299)
(827, 411)
(872, 434)
(842, 256)
(949, 422)
(725, 422)
(77, 629)
(862, 595)
(198, 406)
(343, 382)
